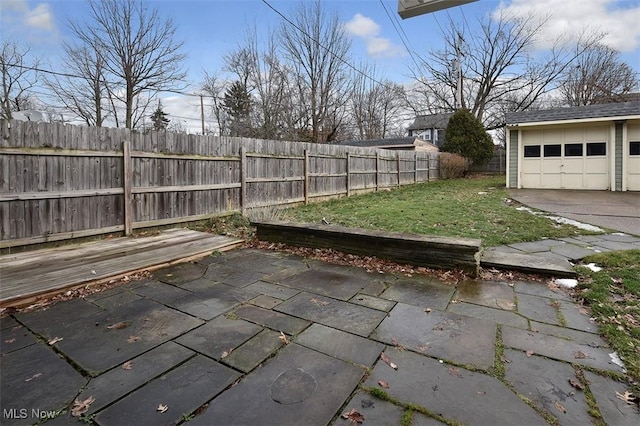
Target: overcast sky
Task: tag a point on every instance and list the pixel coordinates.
(211, 28)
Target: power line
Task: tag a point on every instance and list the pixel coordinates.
(402, 39)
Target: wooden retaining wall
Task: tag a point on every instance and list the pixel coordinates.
(414, 249)
(60, 182)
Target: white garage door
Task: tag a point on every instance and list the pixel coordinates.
(570, 158)
(633, 157)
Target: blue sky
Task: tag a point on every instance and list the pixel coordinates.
(211, 28)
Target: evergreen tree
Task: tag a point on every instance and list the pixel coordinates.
(237, 103)
(159, 119)
(465, 135)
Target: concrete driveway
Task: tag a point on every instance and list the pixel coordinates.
(614, 210)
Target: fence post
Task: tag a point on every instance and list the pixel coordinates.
(415, 166)
(348, 175)
(377, 170)
(128, 175)
(306, 176)
(398, 165)
(243, 180)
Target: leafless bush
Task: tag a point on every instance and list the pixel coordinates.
(453, 165)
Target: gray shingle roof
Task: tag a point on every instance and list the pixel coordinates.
(379, 142)
(619, 109)
(433, 121)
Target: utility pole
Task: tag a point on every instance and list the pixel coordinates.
(458, 62)
(202, 112)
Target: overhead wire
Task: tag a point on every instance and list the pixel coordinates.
(405, 41)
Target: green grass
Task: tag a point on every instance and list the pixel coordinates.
(471, 207)
(614, 297)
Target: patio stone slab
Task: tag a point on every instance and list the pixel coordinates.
(448, 336)
(546, 383)
(572, 252)
(373, 302)
(213, 301)
(266, 302)
(131, 330)
(341, 345)
(219, 336)
(18, 337)
(328, 283)
(58, 316)
(539, 289)
(375, 288)
(557, 348)
(182, 390)
(8, 322)
(535, 246)
(297, 386)
(240, 277)
(452, 392)
(491, 294)
(160, 292)
(334, 313)
(614, 245)
(115, 300)
(274, 320)
(527, 263)
(216, 271)
(581, 337)
(614, 411)
(538, 308)
(251, 353)
(489, 314)
(576, 319)
(116, 383)
(622, 238)
(423, 292)
(112, 291)
(262, 262)
(375, 411)
(273, 290)
(180, 273)
(420, 419)
(36, 378)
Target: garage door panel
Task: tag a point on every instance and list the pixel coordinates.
(633, 174)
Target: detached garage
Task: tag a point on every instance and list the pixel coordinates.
(587, 147)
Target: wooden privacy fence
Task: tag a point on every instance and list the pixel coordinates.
(61, 182)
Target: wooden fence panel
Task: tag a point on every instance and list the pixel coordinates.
(59, 182)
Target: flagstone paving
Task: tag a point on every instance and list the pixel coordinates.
(258, 337)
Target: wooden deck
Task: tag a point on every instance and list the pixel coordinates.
(24, 276)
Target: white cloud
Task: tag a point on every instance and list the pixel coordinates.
(368, 30)
(619, 20)
(40, 17)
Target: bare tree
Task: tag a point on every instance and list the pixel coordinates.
(317, 48)
(17, 79)
(597, 76)
(373, 104)
(495, 65)
(137, 49)
(214, 87)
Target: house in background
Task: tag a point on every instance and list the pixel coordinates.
(585, 147)
(430, 128)
(407, 143)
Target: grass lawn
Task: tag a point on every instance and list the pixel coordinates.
(471, 207)
(614, 297)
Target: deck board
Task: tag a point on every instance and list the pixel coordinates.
(24, 276)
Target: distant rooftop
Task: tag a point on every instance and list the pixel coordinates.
(618, 109)
(433, 121)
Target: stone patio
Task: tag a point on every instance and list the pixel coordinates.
(257, 337)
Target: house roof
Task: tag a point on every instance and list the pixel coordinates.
(433, 121)
(410, 142)
(610, 110)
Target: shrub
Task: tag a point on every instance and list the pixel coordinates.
(465, 135)
(453, 165)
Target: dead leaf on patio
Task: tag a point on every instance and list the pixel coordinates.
(283, 338)
(319, 302)
(427, 310)
(127, 365)
(560, 407)
(383, 384)
(225, 354)
(504, 359)
(119, 325)
(422, 348)
(576, 384)
(133, 339)
(397, 344)
(80, 407)
(55, 340)
(455, 372)
(579, 355)
(35, 376)
(354, 416)
(162, 408)
(387, 360)
(10, 340)
(627, 397)
(529, 353)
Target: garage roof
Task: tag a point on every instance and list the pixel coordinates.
(611, 110)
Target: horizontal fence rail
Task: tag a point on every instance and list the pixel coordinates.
(60, 182)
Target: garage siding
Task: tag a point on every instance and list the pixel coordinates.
(513, 159)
